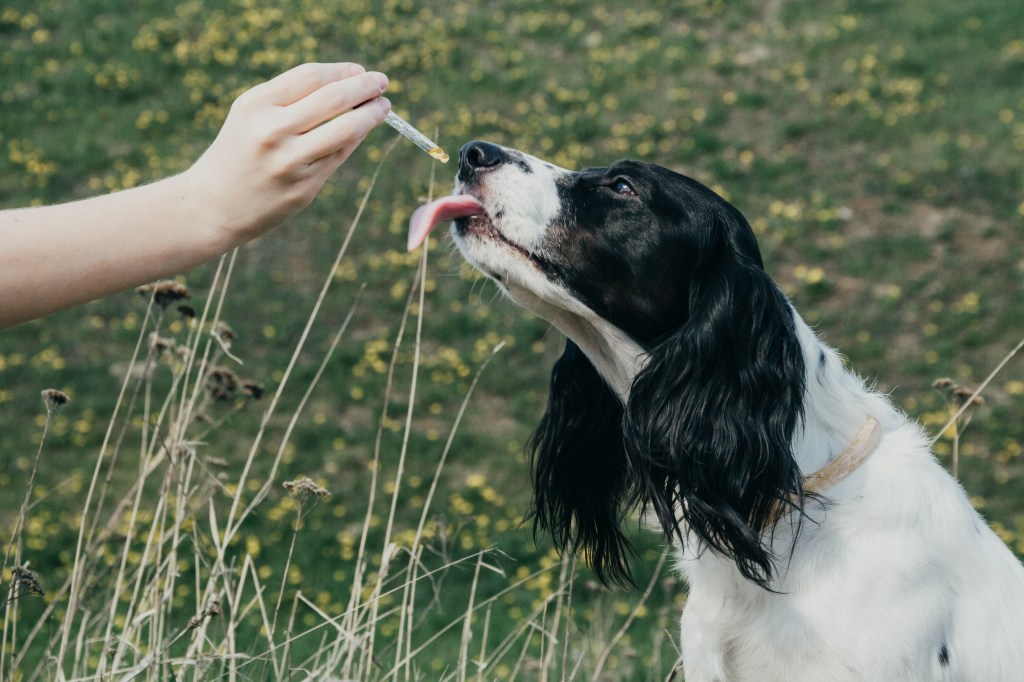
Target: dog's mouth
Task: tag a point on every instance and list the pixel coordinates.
(455, 207)
(470, 217)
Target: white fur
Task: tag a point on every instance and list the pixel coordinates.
(895, 565)
(891, 568)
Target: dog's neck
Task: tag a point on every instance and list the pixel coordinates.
(616, 357)
(836, 402)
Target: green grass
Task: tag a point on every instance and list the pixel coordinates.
(875, 147)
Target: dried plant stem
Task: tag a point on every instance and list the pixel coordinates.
(126, 546)
(603, 658)
(981, 387)
(218, 292)
(116, 450)
(564, 592)
(15, 545)
(568, 619)
(409, 413)
(353, 617)
(483, 644)
(279, 672)
(293, 422)
(291, 425)
(78, 566)
(237, 514)
(19, 526)
(954, 465)
(467, 623)
(353, 637)
(406, 610)
(510, 639)
(234, 519)
(366, 654)
(530, 628)
(151, 455)
(389, 528)
(448, 444)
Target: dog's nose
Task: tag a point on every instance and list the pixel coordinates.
(477, 155)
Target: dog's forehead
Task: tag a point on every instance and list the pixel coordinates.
(528, 164)
(637, 170)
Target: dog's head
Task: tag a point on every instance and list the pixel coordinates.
(682, 381)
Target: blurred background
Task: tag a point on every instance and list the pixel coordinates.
(875, 147)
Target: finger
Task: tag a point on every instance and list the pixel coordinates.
(335, 98)
(326, 165)
(344, 131)
(296, 83)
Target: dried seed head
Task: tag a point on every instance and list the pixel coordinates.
(221, 383)
(187, 311)
(54, 400)
(184, 451)
(225, 333)
(162, 345)
(165, 292)
(252, 389)
(212, 608)
(961, 394)
(304, 487)
(26, 581)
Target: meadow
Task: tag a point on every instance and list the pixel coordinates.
(315, 471)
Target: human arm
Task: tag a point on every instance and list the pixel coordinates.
(280, 142)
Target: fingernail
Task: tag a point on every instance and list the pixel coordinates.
(385, 104)
(382, 81)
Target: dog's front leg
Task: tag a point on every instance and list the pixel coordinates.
(703, 642)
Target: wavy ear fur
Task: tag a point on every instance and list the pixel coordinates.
(710, 419)
(579, 467)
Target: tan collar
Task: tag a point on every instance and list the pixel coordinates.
(844, 464)
(847, 461)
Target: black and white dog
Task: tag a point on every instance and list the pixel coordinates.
(820, 538)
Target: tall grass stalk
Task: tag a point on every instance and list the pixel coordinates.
(467, 623)
(389, 528)
(53, 400)
(372, 612)
(77, 571)
(968, 402)
(603, 658)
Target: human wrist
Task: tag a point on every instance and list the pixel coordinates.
(206, 214)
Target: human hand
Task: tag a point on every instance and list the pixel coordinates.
(280, 142)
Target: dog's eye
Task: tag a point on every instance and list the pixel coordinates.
(622, 186)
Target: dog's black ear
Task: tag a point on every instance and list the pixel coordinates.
(579, 467)
(711, 417)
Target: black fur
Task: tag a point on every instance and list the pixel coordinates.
(578, 462)
(709, 421)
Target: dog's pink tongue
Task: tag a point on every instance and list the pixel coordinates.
(427, 216)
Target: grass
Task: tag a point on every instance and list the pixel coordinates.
(876, 149)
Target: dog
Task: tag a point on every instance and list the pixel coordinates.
(820, 538)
